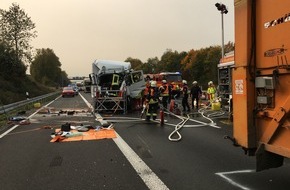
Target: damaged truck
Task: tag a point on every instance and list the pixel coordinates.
(115, 86)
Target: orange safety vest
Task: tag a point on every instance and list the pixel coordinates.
(164, 89)
(146, 90)
(152, 96)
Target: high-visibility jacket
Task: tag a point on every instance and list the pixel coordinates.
(211, 92)
(164, 90)
(153, 95)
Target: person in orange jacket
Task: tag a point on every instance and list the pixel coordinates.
(152, 101)
(146, 90)
(164, 93)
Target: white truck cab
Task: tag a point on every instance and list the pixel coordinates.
(115, 82)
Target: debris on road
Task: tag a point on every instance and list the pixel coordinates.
(83, 132)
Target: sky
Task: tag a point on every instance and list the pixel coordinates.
(81, 31)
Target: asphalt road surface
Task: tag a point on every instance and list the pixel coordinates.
(144, 155)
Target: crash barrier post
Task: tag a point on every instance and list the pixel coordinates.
(111, 100)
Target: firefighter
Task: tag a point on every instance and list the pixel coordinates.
(164, 93)
(185, 104)
(195, 93)
(147, 87)
(152, 101)
(211, 90)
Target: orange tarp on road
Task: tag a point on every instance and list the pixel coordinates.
(92, 134)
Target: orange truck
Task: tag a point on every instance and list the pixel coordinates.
(261, 81)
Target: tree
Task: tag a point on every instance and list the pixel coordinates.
(46, 68)
(230, 46)
(170, 61)
(151, 65)
(10, 65)
(188, 65)
(201, 65)
(17, 29)
(136, 64)
(63, 81)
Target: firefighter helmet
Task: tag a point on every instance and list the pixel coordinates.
(210, 83)
(184, 81)
(164, 81)
(153, 83)
(194, 82)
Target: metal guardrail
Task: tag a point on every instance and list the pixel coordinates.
(9, 107)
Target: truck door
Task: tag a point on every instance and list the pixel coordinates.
(136, 78)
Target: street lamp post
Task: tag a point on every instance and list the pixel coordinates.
(223, 9)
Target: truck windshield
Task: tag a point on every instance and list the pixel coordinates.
(171, 78)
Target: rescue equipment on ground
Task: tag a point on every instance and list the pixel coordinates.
(216, 106)
(82, 132)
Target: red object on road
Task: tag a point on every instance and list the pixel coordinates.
(161, 117)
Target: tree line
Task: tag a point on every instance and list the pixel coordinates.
(195, 65)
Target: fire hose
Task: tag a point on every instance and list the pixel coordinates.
(179, 125)
(183, 121)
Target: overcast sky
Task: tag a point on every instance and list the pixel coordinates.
(81, 31)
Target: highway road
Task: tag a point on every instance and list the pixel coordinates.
(144, 155)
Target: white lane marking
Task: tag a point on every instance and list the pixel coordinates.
(15, 126)
(8, 131)
(151, 180)
(147, 175)
(88, 104)
(223, 175)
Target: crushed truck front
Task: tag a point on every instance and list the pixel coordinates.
(114, 85)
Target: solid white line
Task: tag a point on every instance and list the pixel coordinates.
(223, 175)
(151, 180)
(88, 104)
(8, 131)
(147, 175)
